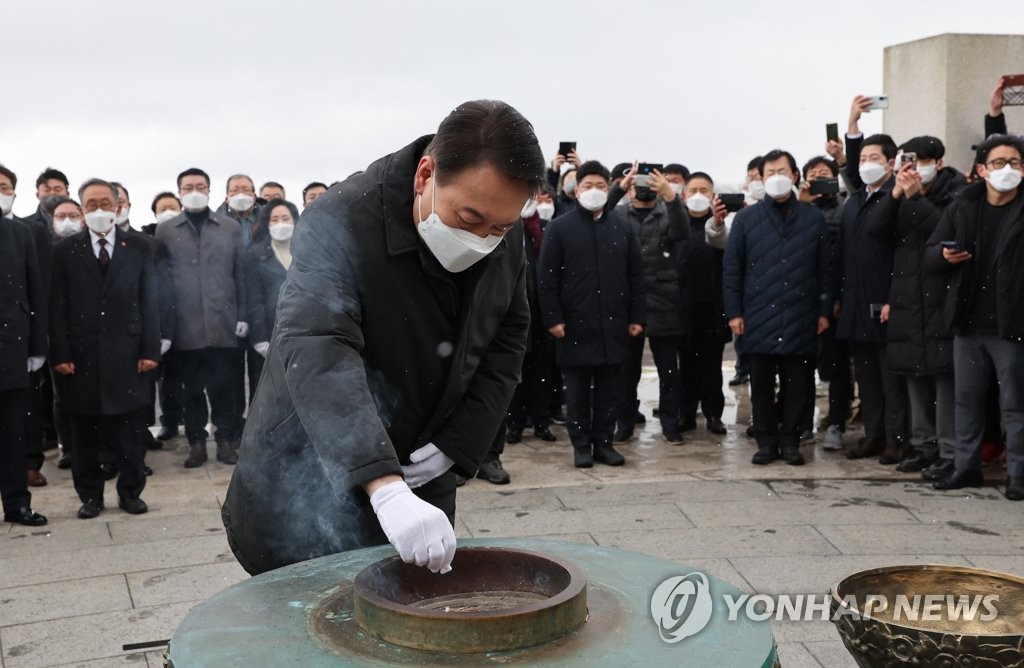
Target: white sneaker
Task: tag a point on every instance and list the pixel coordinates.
(833, 438)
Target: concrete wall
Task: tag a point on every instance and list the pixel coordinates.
(941, 86)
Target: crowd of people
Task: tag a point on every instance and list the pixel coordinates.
(886, 271)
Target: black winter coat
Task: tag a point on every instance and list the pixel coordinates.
(104, 325)
(777, 277)
(919, 342)
(265, 276)
(960, 222)
(695, 254)
(591, 280)
(22, 304)
(377, 351)
(659, 232)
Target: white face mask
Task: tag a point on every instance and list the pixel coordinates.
(927, 173)
(99, 221)
(756, 190)
(281, 231)
(593, 199)
(1005, 179)
(166, 214)
(871, 173)
(195, 200)
(698, 203)
(65, 227)
(777, 185)
(677, 188)
(122, 217)
(529, 209)
(546, 211)
(241, 202)
(569, 187)
(6, 204)
(456, 250)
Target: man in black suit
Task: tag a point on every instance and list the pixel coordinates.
(104, 338)
(22, 352)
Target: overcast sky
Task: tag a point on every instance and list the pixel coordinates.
(295, 90)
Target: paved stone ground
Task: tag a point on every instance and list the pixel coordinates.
(73, 592)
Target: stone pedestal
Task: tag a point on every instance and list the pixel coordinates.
(941, 86)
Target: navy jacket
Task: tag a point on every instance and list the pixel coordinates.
(777, 277)
(592, 280)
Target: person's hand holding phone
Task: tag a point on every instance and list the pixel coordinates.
(908, 182)
(657, 182)
(556, 164)
(995, 104)
(804, 195)
(861, 105)
(629, 178)
(574, 158)
(955, 255)
(720, 211)
(837, 152)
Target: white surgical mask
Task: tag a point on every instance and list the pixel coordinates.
(456, 250)
(166, 214)
(777, 185)
(871, 172)
(65, 227)
(99, 221)
(122, 217)
(593, 199)
(569, 186)
(927, 173)
(1005, 179)
(546, 211)
(241, 202)
(6, 204)
(677, 188)
(281, 231)
(698, 203)
(756, 190)
(195, 201)
(529, 209)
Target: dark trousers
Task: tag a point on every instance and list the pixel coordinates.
(172, 412)
(592, 422)
(666, 353)
(34, 423)
(793, 372)
(13, 484)
(883, 396)
(834, 368)
(254, 365)
(213, 373)
(62, 421)
(532, 398)
(631, 372)
(742, 359)
(702, 365)
(92, 434)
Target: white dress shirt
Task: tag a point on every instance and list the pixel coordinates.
(96, 242)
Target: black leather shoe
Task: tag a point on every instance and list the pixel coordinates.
(939, 469)
(514, 436)
(582, 458)
(544, 434)
(793, 456)
(961, 479)
(146, 470)
(739, 379)
(673, 438)
(914, 463)
(227, 453)
(90, 509)
(459, 480)
(765, 456)
(715, 426)
(1014, 489)
(559, 418)
(865, 449)
(640, 418)
(133, 506)
(493, 472)
(806, 436)
(166, 433)
(64, 463)
(687, 424)
(892, 454)
(25, 516)
(606, 454)
(623, 434)
(150, 441)
(196, 455)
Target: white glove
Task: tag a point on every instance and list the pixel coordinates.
(35, 364)
(241, 329)
(165, 345)
(262, 347)
(420, 532)
(427, 463)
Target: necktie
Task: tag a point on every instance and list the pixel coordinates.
(104, 257)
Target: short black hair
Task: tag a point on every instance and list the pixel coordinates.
(619, 170)
(65, 200)
(314, 184)
(778, 154)
(50, 174)
(263, 222)
(11, 175)
(591, 167)
(546, 189)
(97, 182)
(488, 132)
(995, 141)
(926, 147)
(194, 171)
(227, 184)
(885, 142)
(755, 163)
(272, 184)
(120, 186)
(681, 170)
(821, 160)
(160, 196)
(701, 175)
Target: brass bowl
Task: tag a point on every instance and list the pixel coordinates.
(937, 636)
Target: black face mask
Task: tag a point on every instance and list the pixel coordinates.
(49, 203)
(644, 194)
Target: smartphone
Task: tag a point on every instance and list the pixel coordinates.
(645, 169)
(876, 311)
(566, 147)
(908, 158)
(832, 131)
(825, 187)
(879, 102)
(733, 201)
(951, 245)
(1013, 90)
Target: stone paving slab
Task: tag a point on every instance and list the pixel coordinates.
(70, 598)
(925, 539)
(508, 523)
(745, 513)
(684, 544)
(186, 583)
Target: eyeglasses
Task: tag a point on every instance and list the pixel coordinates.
(999, 163)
